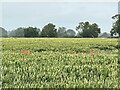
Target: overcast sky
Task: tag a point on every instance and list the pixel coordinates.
(67, 14)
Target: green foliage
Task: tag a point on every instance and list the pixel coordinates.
(116, 25)
(59, 63)
(3, 32)
(19, 32)
(70, 33)
(31, 32)
(25, 32)
(61, 32)
(49, 30)
(85, 29)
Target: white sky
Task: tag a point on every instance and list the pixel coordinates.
(17, 13)
(59, 0)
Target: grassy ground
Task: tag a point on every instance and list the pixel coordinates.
(59, 62)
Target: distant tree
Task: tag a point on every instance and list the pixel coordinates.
(116, 25)
(49, 30)
(3, 32)
(104, 35)
(31, 32)
(19, 32)
(39, 33)
(61, 32)
(25, 32)
(70, 33)
(11, 33)
(95, 31)
(85, 29)
(79, 35)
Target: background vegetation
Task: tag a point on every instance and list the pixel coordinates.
(84, 29)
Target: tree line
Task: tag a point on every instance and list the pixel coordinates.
(83, 29)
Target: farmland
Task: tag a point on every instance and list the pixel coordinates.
(59, 63)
